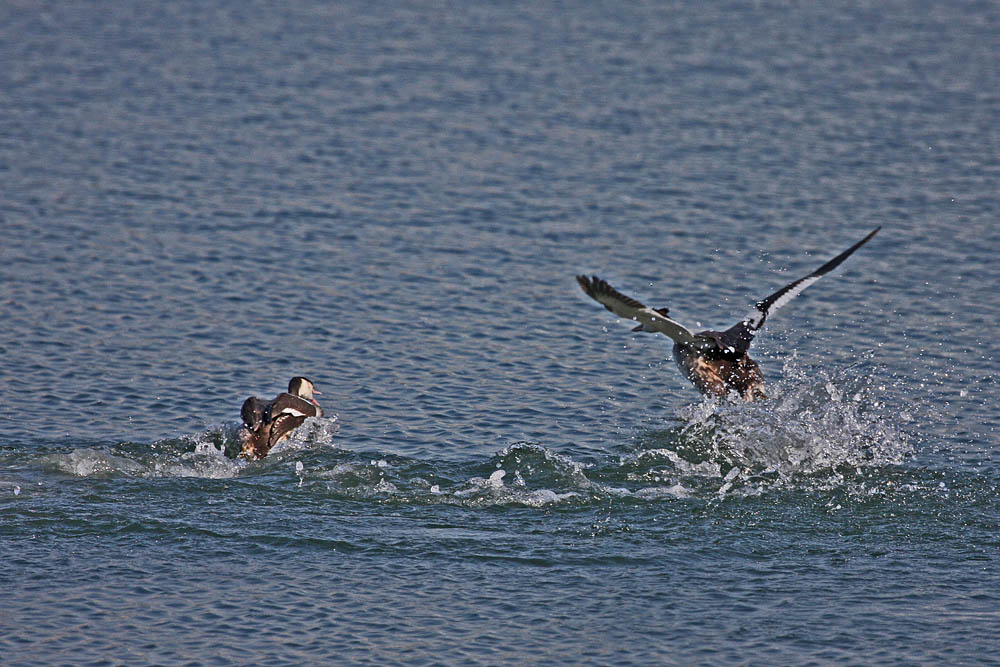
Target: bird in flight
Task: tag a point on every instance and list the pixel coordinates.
(716, 362)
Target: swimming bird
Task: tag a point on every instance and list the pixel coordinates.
(266, 423)
(716, 362)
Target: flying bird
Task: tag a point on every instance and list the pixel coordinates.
(716, 362)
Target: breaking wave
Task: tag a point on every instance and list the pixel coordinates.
(817, 430)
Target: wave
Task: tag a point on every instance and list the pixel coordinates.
(816, 431)
(211, 454)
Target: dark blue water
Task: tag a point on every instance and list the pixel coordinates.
(199, 201)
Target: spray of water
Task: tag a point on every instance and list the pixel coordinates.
(816, 427)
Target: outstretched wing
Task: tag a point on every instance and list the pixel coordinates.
(755, 320)
(625, 306)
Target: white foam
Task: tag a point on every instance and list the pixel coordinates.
(813, 421)
(385, 486)
(544, 497)
(90, 462)
(656, 492)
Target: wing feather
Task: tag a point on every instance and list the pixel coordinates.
(763, 308)
(625, 306)
(293, 406)
(603, 293)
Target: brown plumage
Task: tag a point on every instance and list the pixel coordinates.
(716, 362)
(266, 423)
(717, 377)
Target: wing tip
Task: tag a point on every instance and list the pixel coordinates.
(602, 292)
(588, 284)
(594, 285)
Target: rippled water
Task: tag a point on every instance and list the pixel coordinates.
(200, 201)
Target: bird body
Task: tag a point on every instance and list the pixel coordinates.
(266, 423)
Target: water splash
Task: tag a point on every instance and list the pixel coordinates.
(814, 425)
(211, 454)
(816, 430)
(525, 474)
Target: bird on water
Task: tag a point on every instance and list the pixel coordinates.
(266, 423)
(716, 362)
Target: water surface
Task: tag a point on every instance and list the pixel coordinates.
(200, 202)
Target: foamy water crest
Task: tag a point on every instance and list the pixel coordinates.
(815, 425)
(211, 454)
(522, 474)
